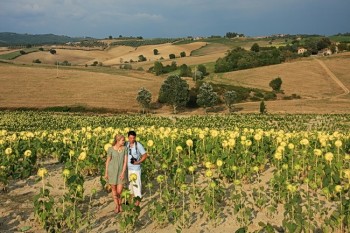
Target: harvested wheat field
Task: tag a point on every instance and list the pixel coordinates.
(112, 56)
(39, 87)
(322, 83)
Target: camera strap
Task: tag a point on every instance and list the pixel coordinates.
(135, 149)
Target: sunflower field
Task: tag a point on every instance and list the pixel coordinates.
(296, 167)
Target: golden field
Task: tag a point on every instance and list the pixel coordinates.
(321, 82)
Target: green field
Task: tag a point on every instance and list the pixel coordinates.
(13, 55)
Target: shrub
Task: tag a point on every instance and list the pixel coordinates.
(270, 96)
(276, 84)
(172, 56)
(65, 63)
(36, 61)
(126, 67)
(142, 58)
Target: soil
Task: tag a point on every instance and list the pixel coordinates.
(17, 210)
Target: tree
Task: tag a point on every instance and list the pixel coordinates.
(206, 96)
(198, 75)
(342, 46)
(155, 51)
(182, 54)
(323, 43)
(110, 37)
(158, 68)
(52, 51)
(174, 91)
(202, 69)
(144, 98)
(333, 48)
(262, 107)
(255, 48)
(185, 71)
(172, 56)
(142, 58)
(276, 84)
(230, 98)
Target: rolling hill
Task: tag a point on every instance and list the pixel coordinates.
(25, 84)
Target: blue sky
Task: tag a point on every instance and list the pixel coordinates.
(174, 18)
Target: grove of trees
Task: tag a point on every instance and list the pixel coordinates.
(174, 92)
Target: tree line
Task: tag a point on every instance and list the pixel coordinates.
(175, 92)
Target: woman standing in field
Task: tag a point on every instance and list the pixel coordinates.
(117, 156)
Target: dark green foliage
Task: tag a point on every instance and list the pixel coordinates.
(158, 68)
(36, 61)
(192, 102)
(9, 38)
(126, 67)
(185, 71)
(144, 98)
(276, 84)
(155, 51)
(52, 51)
(255, 48)
(230, 98)
(342, 47)
(323, 43)
(22, 52)
(174, 91)
(183, 54)
(172, 56)
(269, 96)
(233, 34)
(142, 58)
(202, 69)
(65, 63)
(206, 96)
(239, 58)
(262, 107)
(140, 42)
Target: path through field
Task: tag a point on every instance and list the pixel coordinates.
(335, 79)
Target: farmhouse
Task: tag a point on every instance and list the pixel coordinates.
(325, 52)
(302, 50)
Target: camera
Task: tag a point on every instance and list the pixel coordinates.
(132, 160)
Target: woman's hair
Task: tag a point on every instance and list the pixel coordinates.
(117, 138)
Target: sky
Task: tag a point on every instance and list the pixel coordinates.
(174, 18)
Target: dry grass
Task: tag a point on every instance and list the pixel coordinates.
(5, 50)
(39, 87)
(305, 78)
(33, 86)
(113, 56)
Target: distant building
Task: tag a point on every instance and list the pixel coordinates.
(302, 50)
(325, 52)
